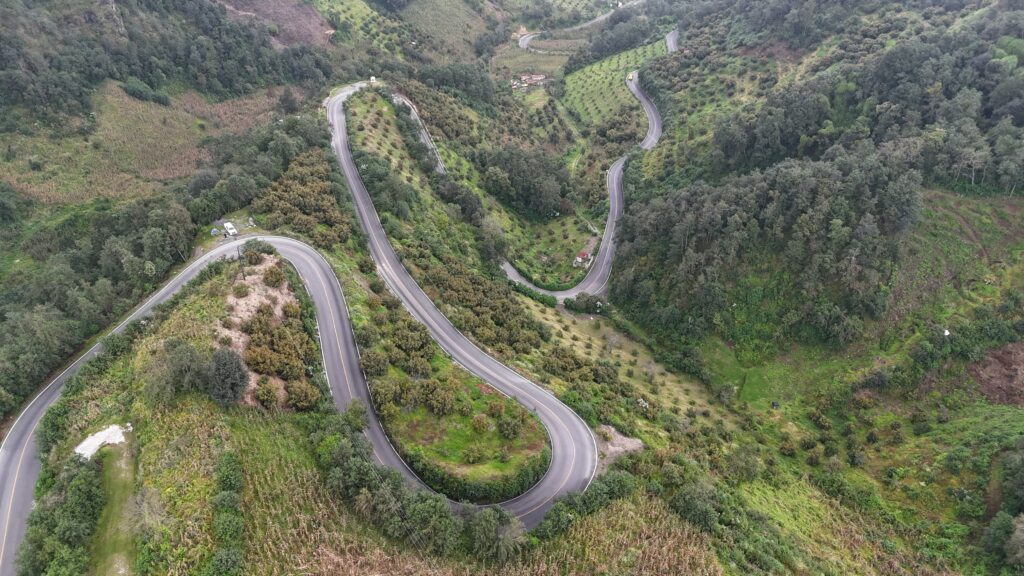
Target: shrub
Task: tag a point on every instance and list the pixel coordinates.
(252, 257)
(273, 277)
(228, 522)
(228, 526)
(440, 396)
(431, 523)
(374, 363)
(1014, 547)
(226, 562)
(997, 533)
(60, 527)
(302, 395)
(473, 454)
(481, 423)
(267, 392)
(613, 485)
(696, 503)
(258, 246)
(229, 377)
(7, 401)
(510, 426)
(496, 535)
(229, 473)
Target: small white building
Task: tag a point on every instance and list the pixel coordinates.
(583, 260)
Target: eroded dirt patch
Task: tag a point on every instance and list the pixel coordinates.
(242, 306)
(612, 445)
(295, 21)
(1000, 376)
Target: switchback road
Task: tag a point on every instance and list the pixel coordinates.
(573, 447)
(19, 458)
(596, 280)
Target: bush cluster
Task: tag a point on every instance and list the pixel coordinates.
(423, 520)
(228, 522)
(61, 526)
(182, 368)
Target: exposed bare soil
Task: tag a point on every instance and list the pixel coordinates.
(297, 22)
(612, 445)
(1000, 376)
(242, 308)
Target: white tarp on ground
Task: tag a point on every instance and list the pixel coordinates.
(110, 435)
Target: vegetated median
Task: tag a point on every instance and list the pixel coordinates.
(458, 434)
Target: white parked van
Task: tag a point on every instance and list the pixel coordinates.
(229, 229)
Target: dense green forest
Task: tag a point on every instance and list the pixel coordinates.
(824, 176)
(51, 63)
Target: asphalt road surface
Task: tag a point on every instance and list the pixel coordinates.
(424, 134)
(19, 460)
(574, 451)
(596, 280)
(672, 41)
(524, 40)
(573, 448)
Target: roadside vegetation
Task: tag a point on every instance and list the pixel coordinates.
(597, 95)
(810, 358)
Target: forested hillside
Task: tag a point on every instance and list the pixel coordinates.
(824, 175)
(55, 53)
(806, 360)
(70, 266)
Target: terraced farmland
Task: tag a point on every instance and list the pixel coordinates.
(597, 93)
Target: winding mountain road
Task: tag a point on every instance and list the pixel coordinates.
(19, 458)
(573, 447)
(525, 39)
(425, 137)
(596, 280)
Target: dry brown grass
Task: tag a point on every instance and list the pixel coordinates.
(635, 536)
(151, 141)
(639, 536)
(297, 22)
(232, 115)
(136, 145)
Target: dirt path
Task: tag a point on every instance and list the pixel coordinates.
(969, 230)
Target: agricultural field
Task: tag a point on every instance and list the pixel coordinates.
(372, 124)
(450, 23)
(166, 473)
(545, 252)
(597, 338)
(510, 61)
(131, 149)
(357, 23)
(174, 453)
(596, 94)
(568, 12)
(557, 45)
